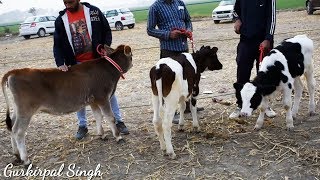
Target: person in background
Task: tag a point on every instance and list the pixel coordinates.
(79, 29)
(172, 20)
(255, 22)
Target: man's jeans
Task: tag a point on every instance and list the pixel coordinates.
(81, 114)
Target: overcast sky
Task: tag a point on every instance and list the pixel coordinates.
(9, 5)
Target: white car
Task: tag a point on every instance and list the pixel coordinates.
(120, 17)
(37, 25)
(224, 11)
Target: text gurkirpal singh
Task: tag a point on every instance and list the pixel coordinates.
(72, 171)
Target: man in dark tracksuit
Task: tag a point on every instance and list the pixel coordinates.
(255, 22)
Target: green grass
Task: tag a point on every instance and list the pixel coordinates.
(196, 10)
(291, 4)
(205, 9)
(13, 29)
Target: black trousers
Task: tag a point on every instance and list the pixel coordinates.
(247, 53)
(166, 53)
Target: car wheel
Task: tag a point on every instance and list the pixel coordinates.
(309, 8)
(41, 32)
(27, 36)
(216, 21)
(119, 26)
(131, 26)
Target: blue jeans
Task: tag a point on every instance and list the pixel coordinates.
(81, 114)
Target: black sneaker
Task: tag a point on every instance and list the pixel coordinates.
(122, 128)
(82, 132)
(176, 118)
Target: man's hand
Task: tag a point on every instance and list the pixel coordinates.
(237, 26)
(265, 45)
(63, 68)
(175, 34)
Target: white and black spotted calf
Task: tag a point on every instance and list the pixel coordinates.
(280, 71)
(174, 81)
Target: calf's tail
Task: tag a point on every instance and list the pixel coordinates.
(4, 90)
(160, 95)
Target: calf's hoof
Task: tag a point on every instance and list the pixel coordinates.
(164, 152)
(257, 127)
(172, 155)
(181, 127)
(104, 137)
(312, 113)
(196, 129)
(26, 166)
(121, 141)
(294, 117)
(290, 128)
(17, 162)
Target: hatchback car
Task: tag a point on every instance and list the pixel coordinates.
(37, 25)
(120, 17)
(224, 11)
(312, 5)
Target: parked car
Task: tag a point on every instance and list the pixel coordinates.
(312, 5)
(37, 25)
(120, 17)
(224, 11)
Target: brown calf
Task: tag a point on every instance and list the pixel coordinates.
(56, 92)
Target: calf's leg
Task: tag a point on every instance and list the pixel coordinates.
(182, 109)
(287, 106)
(98, 117)
(263, 106)
(166, 126)
(311, 88)
(15, 150)
(193, 108)
(157, 122)
(107, 112)
(298, 88)
(18, 132)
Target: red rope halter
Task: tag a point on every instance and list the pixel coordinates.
(262, 53)
(103, 53)
(189, 35)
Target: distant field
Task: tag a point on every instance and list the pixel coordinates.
(203, 9)
(13, 29)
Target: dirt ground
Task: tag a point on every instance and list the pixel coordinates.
(224, 149)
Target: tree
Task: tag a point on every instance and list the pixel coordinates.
(33, 11)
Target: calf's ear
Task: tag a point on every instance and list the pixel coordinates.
(215, 49)
(127, 51)
(108, 49)
(238, 86)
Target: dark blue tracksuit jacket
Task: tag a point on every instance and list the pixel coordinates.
(258, 18)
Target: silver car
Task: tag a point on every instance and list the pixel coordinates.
(119, 18)
(37, 25)
(224, 11)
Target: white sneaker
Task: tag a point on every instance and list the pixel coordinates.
(270, 113)
(235, 114)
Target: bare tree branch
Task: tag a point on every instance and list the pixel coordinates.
(33, 11)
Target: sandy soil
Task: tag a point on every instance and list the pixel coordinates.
(224, 149)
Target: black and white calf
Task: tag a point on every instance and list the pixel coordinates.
(175, 80)
(281, 70)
